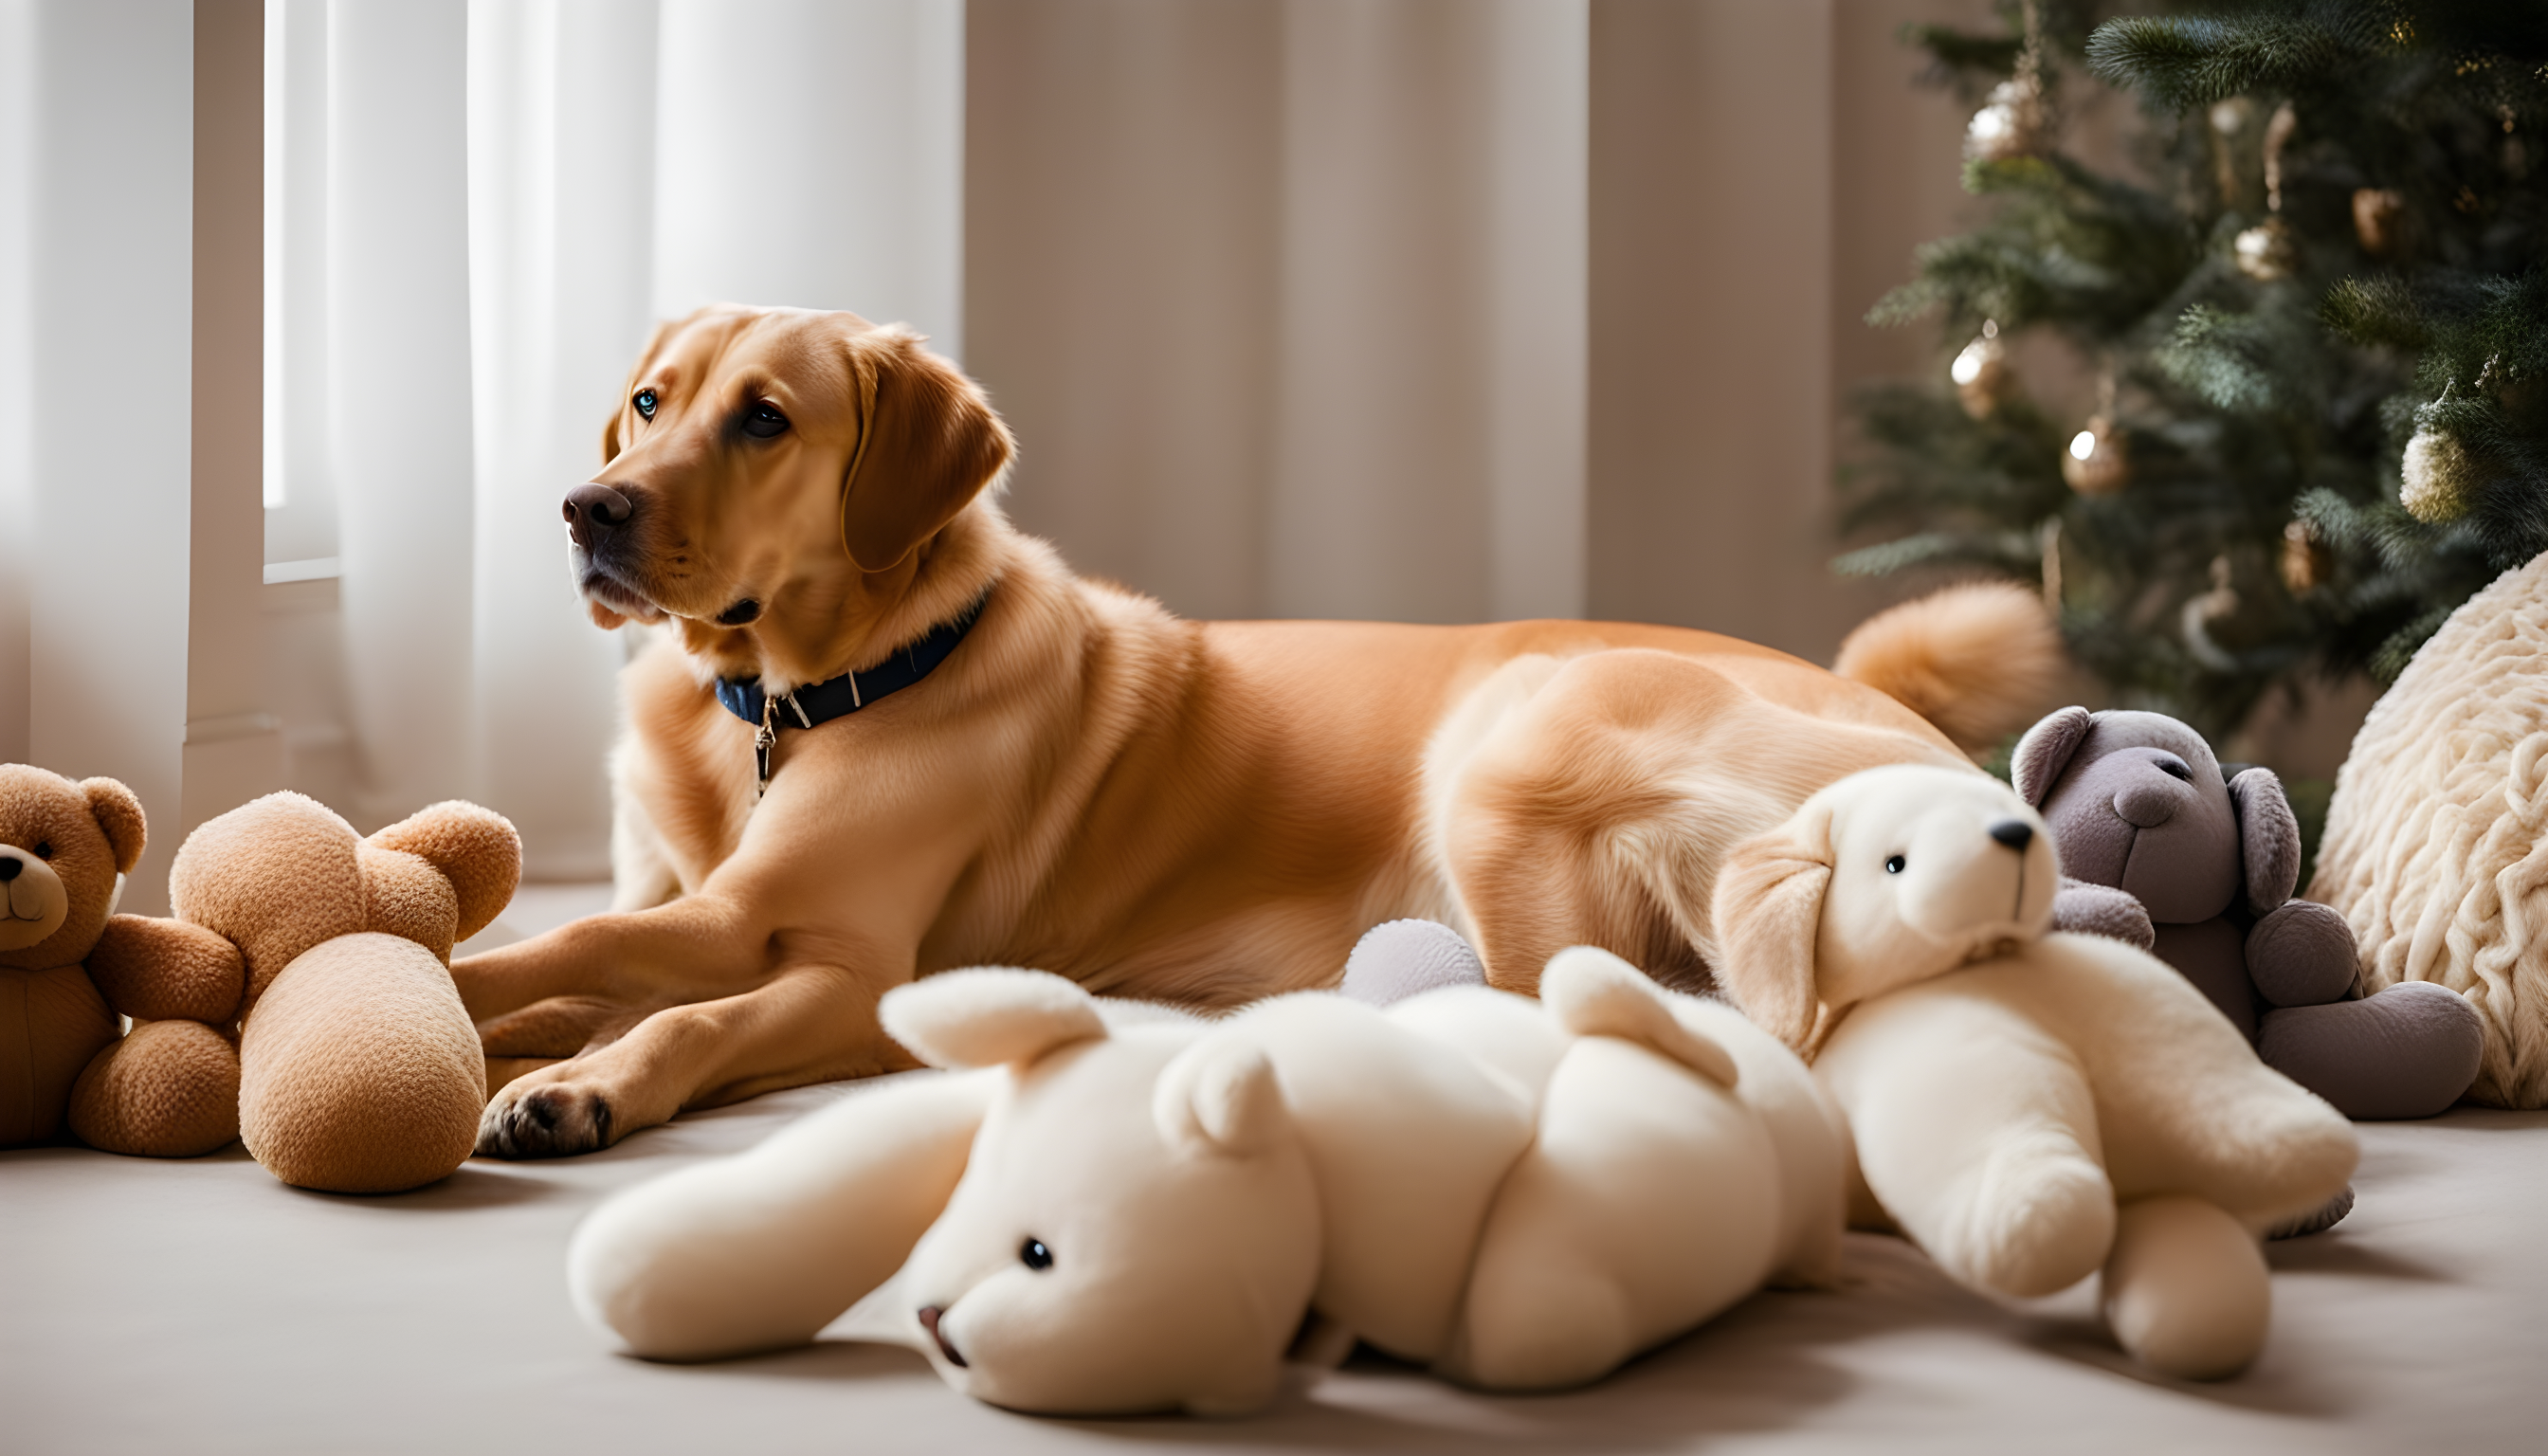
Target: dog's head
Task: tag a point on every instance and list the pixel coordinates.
(2138, 801)
(1136, 1229)
(1886, 877)
(772, 477)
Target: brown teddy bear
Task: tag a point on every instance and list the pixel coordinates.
(62, 846)
(359, 1069)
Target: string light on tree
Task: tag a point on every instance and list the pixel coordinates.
(2306, 562)
(2380, 220)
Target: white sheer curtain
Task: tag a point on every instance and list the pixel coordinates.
(513, 191)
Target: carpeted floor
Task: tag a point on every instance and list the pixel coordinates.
(200, 1306)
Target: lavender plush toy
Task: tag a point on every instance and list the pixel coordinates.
(2160, 849)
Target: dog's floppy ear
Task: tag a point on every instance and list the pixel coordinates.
(928, 443)
(1219, 1096)
(2269, 839)
(2046, 750)
(988, 1015)
(1769, 913)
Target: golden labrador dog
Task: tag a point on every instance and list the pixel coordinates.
(973, 757)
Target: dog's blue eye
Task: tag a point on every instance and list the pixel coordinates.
(1894, 865)
(1034, 1255)
(646, 402)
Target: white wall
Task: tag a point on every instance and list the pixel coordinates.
(104, 131)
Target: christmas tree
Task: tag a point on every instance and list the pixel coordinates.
(2318, 319)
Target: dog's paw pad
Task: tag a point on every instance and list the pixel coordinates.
(555, 1120)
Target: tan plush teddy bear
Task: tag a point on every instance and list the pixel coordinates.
(359, 1071)
(62, 846)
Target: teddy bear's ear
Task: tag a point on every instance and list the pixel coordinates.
(1220, 1096)
(988, 1015)
(2269, 839)
(476, 849)
(1769, 913)
(1593, 993)
(117, 811)
(2046, 750)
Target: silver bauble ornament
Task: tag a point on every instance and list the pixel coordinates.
(2010, 123)
(2437, 479)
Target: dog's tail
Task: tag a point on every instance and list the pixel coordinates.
(1979, 660)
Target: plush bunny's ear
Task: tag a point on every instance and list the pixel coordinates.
(1593, 993)
(2269, 839)
(1769, 913)
(988, 1015)
(1220, 1096)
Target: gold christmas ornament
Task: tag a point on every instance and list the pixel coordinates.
(1981, 372)
(2010, 124)
(2380, 220)
(2095, 464)
(2305, 562)
(2436, 477)
(2265, 251)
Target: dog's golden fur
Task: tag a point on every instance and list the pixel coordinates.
(1203, 812)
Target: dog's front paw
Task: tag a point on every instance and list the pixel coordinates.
(547, 1120)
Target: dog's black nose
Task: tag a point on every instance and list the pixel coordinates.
(928, 1314)
(10, 865)
(2017, 834)
(594, 507)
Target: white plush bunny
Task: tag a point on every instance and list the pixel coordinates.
(1134, 1217)
(2029, 1108)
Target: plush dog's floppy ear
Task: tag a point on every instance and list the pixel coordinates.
(117, 811)
(1593, 993)
(1219, 1096)
(2046, 750)
(928, 443)
(2269, 839)
(1769, 913)
(988, 1015)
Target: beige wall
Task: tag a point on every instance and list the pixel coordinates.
(1409, 310)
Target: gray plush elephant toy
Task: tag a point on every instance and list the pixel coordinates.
(2161, 848)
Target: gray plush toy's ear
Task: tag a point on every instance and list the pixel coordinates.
(2269, 839)
(2046, 750)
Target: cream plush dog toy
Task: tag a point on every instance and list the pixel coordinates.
(1138, 1216)
(2028, 1108)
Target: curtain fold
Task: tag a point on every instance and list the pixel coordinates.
(509, 194)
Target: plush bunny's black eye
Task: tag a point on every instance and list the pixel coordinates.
(645, 403)
(1034, 1255)
(1895, 865)
(2176, 770)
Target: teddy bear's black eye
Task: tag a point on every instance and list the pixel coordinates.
(43, 848)
(1893, 865)
(645, 403)
(1034, 1255)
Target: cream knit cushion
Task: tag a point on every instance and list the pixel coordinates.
(2436, 845)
